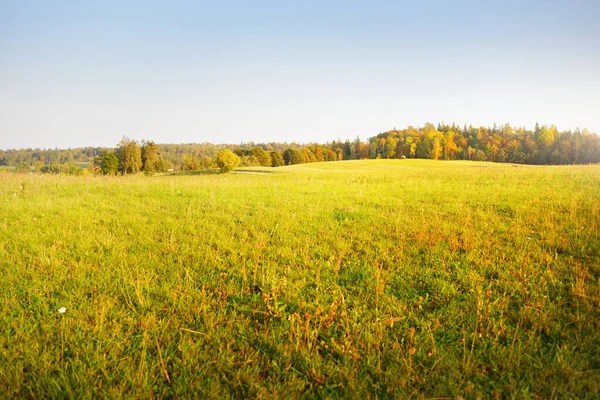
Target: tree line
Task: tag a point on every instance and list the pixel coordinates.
(542, 145)
(131, 157)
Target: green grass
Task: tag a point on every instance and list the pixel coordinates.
(379, 278)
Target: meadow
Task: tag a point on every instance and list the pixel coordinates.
(350, 279)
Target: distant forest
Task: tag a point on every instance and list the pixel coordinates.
(543, 145)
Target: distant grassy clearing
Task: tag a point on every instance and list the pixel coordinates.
(380, 277)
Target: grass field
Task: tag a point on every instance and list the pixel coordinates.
(355, 279)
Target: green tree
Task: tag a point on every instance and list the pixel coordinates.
(149, 158)
(96, 167)
(277, 159)
(422, 150)
(53, 168)
(381, 147)
(129, 154)
(165, 165)
(545, 137)
(72, 169)
(227, 160)
(109, 164)
(293, 156)
(22, 168)
(263, 157)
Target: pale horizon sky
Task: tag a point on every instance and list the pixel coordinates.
(85, 73)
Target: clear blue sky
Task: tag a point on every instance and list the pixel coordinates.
(85, 73)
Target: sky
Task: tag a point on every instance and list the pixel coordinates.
(86, 73)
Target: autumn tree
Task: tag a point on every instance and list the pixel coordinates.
(450, 146)
(318, 152)
(500, 143)
(263, 157)
(390, 147)
(227, 160)
(308, 155)
(331, 155)
(363, 150)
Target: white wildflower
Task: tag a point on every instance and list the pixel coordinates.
(62, 310)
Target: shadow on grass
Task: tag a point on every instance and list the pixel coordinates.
(199, 172)
(217, 172)
(253, 171)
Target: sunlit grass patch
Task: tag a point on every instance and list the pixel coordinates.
(386, 278)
